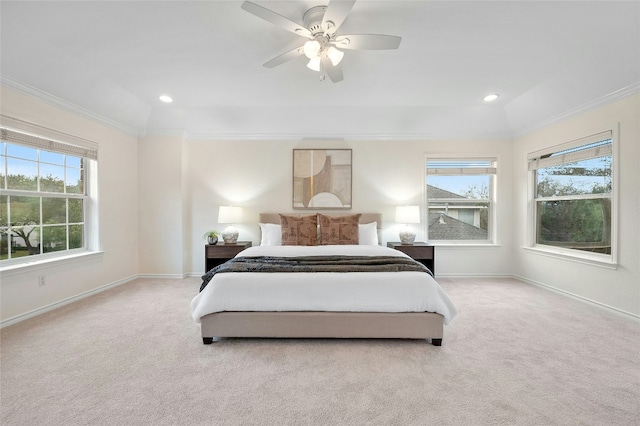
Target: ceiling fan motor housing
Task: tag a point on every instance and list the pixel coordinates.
(313, 19)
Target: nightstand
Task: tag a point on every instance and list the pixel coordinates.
(422, 252)
(217, 254)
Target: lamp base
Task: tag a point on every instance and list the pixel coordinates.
(407, 236)
(230, 235)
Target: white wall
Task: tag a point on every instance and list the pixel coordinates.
(118, 211)
(257, 176)
(164, 191)
(617, 288)
(161, 229)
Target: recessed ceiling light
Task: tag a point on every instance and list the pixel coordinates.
(166, 98)
(491, 97)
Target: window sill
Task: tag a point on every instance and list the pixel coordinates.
(22, 267)
(464, 244)
(584, 258)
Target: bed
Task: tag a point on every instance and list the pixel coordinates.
(404, 303)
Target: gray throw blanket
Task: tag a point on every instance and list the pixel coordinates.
(316, 264)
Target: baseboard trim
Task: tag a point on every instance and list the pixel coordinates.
(578, 298)
(39, 311)
(36, 312)
(474, 276)
(164, 276)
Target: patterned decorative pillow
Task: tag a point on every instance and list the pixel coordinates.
(341, 230)
(299, 230)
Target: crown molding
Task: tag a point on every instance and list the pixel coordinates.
(170, 133)
(206, 136)
(602, 101)
(343, 136)
(209, 136)
(66, 105)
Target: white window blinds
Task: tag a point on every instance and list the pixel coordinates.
(17, 131)
(461, 167)
(594, 146)
(32, 141)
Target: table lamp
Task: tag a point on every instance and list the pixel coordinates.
(230, 215)
(407, 215)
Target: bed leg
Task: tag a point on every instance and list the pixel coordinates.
(436, 342)
(207, 340)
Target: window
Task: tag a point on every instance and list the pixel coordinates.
(460, 199)
(573, 196)
(44, 197)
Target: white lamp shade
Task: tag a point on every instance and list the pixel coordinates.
(408, 214)
(335, 55)
(229, 214)
(311, 48)
(314, 63)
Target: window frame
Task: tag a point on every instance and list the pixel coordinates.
(40, 138)
(581, 256)
(494, 161)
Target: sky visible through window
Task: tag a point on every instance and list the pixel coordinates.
(459, 184)
(51, 163)
(586, 176)
(592, 175)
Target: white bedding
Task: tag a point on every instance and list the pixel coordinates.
(323, 291)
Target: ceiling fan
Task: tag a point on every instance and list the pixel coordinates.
(321, 24)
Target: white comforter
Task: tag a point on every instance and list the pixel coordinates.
(323, 291)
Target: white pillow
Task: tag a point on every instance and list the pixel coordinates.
(368, 234)
(271, 234)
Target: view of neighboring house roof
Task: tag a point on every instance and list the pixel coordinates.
(444, 227)
(435, 192)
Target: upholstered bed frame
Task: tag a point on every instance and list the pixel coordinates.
(402, 325)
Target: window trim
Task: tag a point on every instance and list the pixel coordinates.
(35, 136)
(584, 138)
(46, 259)
(493, 172)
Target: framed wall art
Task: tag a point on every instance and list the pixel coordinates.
(322, 179)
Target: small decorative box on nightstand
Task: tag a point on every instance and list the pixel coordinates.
(422, 252)
(217, 254)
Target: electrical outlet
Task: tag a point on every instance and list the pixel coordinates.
(41, 281)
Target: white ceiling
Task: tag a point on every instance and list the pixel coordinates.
(112, 59)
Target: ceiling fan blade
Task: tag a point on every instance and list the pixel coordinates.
(334, 72)
(367, 41)
(276, 19)
(287, 56)
(336, 13)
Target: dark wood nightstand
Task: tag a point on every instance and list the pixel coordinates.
(217, 254)
(422, 252)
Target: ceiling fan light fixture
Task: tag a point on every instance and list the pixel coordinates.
(312, 49)
(314, 63)
(335, 55)
(320, 28)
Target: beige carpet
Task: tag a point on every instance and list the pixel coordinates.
(516, 354)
